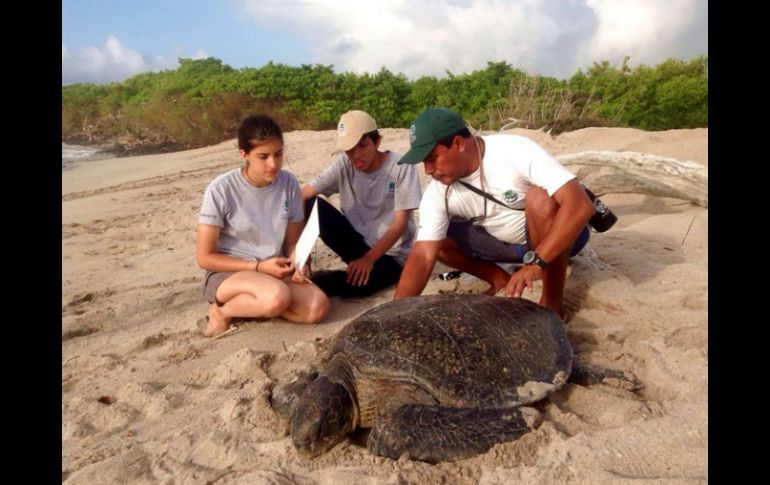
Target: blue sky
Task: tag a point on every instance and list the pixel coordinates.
(111, 40)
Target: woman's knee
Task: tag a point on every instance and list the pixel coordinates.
(276, 300)
(319, 307)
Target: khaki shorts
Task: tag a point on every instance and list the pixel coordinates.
(211, 282)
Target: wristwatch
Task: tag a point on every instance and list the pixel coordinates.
(531, 257)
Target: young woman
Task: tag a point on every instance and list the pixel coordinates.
(249, 223)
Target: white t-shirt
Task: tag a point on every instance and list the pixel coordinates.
(512, 165)
(368, 200)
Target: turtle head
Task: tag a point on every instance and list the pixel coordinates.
(285, 394)
(324, 415)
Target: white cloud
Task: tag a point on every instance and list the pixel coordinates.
(111, 62)
(429, 37)
(646, 30)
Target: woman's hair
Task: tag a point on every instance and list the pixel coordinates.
(257, 129)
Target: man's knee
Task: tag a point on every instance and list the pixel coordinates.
(448, 243)
(447, 248)
(539, 204)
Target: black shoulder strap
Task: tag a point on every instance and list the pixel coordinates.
(488, 196)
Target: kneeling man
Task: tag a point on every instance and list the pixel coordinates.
(497, 198)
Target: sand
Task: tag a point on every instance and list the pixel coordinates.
(146, 399)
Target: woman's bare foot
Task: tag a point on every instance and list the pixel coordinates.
(217, 321)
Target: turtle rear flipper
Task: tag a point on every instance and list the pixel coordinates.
(433, 433)
(587, 374)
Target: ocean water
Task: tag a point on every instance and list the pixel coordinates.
(73, 154)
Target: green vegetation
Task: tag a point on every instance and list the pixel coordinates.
(203, 101)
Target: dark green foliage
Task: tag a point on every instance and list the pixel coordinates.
(202, 101)
(673, 94)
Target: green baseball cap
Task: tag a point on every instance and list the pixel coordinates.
(428, 128)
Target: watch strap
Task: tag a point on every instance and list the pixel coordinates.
(537, 260)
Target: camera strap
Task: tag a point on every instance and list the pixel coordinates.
(487, 195)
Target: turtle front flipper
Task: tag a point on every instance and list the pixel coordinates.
(434, 434)
(587, 374)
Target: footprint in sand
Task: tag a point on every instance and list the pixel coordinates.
(152, 341)
(79, 300)
(79, 329)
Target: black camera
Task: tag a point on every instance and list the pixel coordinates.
(604, 218)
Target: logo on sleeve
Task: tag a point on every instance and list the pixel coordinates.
(391, 186)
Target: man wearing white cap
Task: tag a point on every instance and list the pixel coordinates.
(374, 230)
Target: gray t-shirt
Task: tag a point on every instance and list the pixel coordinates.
(252, 220)
(368, 199)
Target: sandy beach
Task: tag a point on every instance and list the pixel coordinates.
(147, 399)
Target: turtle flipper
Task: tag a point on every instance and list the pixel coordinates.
(586, 374)
(433, 433)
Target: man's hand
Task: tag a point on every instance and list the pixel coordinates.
(525, 277)
(359, 271)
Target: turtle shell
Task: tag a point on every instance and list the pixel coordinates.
(465, 350)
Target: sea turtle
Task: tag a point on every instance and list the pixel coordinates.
(437, 378)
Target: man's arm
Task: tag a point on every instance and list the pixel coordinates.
(575, 209)
(396, 229)
(360, 269)
(417, 269)
(307, 192)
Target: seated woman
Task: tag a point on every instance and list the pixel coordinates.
(249, 224)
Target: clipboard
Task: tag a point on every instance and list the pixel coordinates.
(307, 239)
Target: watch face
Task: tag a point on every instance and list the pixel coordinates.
(529, 256)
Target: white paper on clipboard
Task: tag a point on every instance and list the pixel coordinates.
(307, 238)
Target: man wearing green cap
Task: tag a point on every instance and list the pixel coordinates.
(497, 198)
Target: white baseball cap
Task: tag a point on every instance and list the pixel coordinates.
(352, 126)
